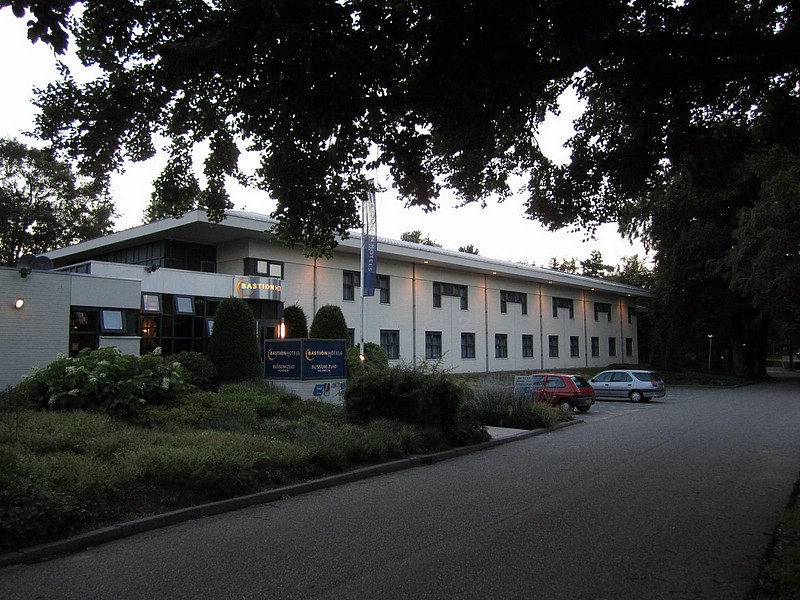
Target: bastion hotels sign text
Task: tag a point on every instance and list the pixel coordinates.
(304, 359)
(259, 288)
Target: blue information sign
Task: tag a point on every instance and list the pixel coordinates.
(304, 359)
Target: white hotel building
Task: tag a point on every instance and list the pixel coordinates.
(159, 285)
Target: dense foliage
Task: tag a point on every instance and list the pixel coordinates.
(374, 358)
(451, 93)
(417, 395)
(44, 205)
(329, 323)
(294, 317)
(103, 380)
(233, 346)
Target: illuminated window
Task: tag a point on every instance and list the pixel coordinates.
(151, 303)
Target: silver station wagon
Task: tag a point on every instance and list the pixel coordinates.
(636, 385)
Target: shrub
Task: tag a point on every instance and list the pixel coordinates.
(104, 380)
(499, 406)
(376, 358)
(423, 397)
(233, 347)
(197, 369)
(329, 323)
(294, 317)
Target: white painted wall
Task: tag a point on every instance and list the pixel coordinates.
(34, 335)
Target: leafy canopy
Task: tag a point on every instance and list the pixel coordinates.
(44, 205)
(451, 93)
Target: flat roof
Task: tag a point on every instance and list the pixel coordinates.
(195, 227)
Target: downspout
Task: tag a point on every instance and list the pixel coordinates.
(486, 318)
(585, 331)
(622, 332)
(541, 331)
(413, 313)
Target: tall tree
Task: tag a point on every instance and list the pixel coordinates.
(634, 271)
(594, 265)
(44, 205)
(416, 237)
(452, 93)
(469, 249)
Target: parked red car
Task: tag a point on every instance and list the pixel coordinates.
(567, 391)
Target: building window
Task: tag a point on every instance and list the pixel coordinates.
(264, 268)
(433, 345)
(184, 305)
(151, 303)
(602, 307)
(612, 346)
(501, 345)
(111, 321)
(595, 346)
(563, 303)
(631, 313)
(350, 281)
(449, 289)
(552, 345)
(628, 346)
(390, 342)
(515, 297)
(467, 345)
(351, 335)
(383, 286)
(574, 346)
(527, 346)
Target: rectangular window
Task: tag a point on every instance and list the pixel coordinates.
(631, 313)
(467, 345)
(184, 305)
(595, 346)
(390, 342)
(602, 307)
(351, 336)
(350, 281)
(501, 345)
(383, 286)
(151, 303)
(628, 346)
(563, 303)
(262, 267)
(111, 321)
(449, 289)
(612, 346)
(433, 345)
(515, 297)
(552, 345)
(574, 346)
(527, 346)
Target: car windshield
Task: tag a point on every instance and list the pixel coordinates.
(580, 381)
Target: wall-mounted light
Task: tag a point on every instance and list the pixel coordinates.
(24, 272)
(151, 268)
(20, 302)
(282, 330)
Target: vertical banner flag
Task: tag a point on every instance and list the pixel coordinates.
(369, 245)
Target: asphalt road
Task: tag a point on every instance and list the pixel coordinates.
(674, 499)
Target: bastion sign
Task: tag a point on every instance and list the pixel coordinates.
(304, 359)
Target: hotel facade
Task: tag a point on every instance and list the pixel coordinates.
(158, 285)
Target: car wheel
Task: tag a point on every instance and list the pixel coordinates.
(565, 404)
(584, 408)
(636, 396)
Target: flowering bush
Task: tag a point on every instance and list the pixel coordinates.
(104, 380)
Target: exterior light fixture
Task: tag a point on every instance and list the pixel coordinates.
(24, 272)
(19, 303)
(710, 337)
(282, 330)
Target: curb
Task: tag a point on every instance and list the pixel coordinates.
(96, 537)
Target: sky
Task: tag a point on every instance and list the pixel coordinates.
(499, 231)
